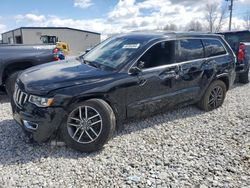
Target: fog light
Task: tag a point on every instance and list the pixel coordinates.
(30, 125)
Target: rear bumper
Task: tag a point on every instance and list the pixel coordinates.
(242, 67)
(39, 123)
(232, 80)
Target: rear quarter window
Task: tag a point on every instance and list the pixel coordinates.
(189, 49)
(213, 47)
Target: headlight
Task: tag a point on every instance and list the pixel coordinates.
(41, 101)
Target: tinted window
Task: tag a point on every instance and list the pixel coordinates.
(189, 49)
(213, 47)
(162, 53)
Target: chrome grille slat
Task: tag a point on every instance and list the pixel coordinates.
(25, 99)
(18, 92)
(20, 97)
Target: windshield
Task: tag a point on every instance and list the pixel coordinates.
(115, 51)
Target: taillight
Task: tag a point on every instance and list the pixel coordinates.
(55, 50)
(55, 54)
(58, 54)
(56, 58)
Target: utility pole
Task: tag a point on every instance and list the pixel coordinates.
(231, 13)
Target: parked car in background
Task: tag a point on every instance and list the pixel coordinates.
(16, 58)
(242, 66)
(234, 39)
(125, 77)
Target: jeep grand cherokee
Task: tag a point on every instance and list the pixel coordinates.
(128, 76)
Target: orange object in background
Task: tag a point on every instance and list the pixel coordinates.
(64, 47)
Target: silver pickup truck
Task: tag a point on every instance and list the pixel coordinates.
(16, 58)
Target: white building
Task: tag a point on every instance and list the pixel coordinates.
(78, 40)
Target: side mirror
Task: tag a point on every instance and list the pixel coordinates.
(141, 64)
(134, 70)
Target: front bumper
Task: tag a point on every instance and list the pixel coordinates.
(39, 123)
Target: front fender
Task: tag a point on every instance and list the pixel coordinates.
(65, 101)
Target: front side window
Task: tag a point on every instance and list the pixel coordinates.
(189, 49)
(162, 53)
(213, 47)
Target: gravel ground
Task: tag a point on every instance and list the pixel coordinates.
(182, 148)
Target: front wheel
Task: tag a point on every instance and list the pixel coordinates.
(89, 125)
(214, 96)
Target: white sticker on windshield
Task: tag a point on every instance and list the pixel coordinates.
(131, 46)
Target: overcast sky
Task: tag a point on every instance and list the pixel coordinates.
(109, 16)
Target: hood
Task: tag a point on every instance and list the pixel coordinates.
(42, 79)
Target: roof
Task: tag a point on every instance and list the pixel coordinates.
(162, 34)
(229, 32)
(53, 28)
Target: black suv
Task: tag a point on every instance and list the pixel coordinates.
(128, 76)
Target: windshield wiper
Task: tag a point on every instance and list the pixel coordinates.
(91, 63)
(97, 65)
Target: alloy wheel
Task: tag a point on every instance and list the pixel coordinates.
(84, 124)
(216, 97)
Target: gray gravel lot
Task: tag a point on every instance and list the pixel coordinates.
(181, 148)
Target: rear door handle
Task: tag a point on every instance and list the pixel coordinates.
(194, 70)
(168, 75)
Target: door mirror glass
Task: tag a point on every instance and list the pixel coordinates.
(134, 70)
(141, 64)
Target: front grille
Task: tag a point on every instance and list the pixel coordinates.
(20, 97)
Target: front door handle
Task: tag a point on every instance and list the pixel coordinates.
(142, 81)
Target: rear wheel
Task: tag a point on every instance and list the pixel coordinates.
(89, 125)
(243, 77)
(10, 83)
(214, 96)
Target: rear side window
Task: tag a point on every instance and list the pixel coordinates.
(189, 49)
(213, 47)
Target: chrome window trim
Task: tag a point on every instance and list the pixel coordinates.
(180, 63)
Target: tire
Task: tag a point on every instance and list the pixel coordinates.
(79, 134)
(243, 77)
(216, 88)
(10, 83)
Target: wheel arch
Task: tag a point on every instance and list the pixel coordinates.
(103, 97)
(224, 78)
